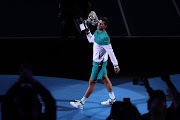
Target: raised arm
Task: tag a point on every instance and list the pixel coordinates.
(166, 79)
(90, 37)
(148, 88)
(49, 101)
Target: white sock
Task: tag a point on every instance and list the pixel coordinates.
(83, 100)
(111, 95)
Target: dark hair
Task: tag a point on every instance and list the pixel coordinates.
(105, 20)
(25, 64)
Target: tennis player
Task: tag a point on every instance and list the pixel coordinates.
(101, 49)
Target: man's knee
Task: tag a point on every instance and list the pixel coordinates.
(104, 79)
(92, 82)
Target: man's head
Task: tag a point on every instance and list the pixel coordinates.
(25, 70)
(25, 65)
(102, 24)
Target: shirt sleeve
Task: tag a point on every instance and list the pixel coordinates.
(90, 37)
(111, 54)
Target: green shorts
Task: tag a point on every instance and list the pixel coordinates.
(97, 73)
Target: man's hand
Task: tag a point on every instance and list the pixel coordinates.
(146, 83)
(117, 70)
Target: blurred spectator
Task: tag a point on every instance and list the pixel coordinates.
(123, 111)
(1, 98)
(173, 112)
(166, 79)
(22, 102)
(156, 104)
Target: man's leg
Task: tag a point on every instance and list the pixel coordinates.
(80, 103)
(92, 80)
(108, 85)
(89, 91)
(90, 88)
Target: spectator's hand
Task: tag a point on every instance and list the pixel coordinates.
(165, 78)
(117, 70)
(146, 83)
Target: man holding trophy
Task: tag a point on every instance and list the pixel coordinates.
(101, 49)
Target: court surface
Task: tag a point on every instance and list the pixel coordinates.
(66, 90)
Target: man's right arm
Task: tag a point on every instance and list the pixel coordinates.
(148, 87)
(90, 37)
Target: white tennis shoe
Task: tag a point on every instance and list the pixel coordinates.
(77, 104)
(109, 101)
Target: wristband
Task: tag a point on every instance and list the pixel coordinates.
(116, 66)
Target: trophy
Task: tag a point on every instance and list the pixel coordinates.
(92, 19)
(83, 25)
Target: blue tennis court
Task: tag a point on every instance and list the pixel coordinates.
(66, 90)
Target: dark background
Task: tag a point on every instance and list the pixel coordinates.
(31, 18)
(30, 29)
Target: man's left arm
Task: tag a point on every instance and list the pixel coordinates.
(112, 56)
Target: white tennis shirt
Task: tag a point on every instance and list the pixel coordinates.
(102, 47)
